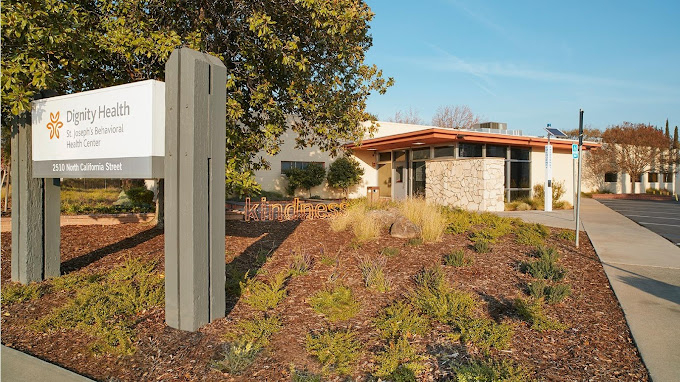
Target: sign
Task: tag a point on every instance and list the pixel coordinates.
(295, 210)
(574, 151)
(115, 132)
(548, 178)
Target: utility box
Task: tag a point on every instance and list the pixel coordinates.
(373, 194)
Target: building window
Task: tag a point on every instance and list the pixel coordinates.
(611, 177)
(493, 151)
(517, 172)
(519, 153)
(653, 177)
(668, 177)
(520, 175)
(638, 179)
(444, 151)
(287, 165)
(385, 157)
(419, 154)
(469, 150)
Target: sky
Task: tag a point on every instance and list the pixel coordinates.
(530, 63)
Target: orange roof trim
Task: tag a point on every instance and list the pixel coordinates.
(445, 136)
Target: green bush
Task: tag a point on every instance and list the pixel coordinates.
(457, 258)
(389, 251)
(531, 234)
(373, 272)
(257, 331)
(15, 292)
(532, 312)
(337, 351)
(458, 221)
(566, 234)
(443, 303)
(398, 353)
(300, 265)
(555, 294)
(537, 289)
(329, 260)
(311, 176)
(264, 296)
(414, 241)
(486, 333)
(303, 375)
(140, 196)
(432, 277)
(237, 357)
(400, 320)
(481, 246)
(344, 173)
(558, 190)
(490, 371)
(106, 309)
(546, 266)
(336, 304)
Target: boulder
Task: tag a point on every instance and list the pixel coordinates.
(404, 228)
(385, 217)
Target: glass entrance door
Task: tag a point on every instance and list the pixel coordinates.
(400, 174)
(418, 170)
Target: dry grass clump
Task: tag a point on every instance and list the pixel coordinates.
(364, 226)
(427, 216)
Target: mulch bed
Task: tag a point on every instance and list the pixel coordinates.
(597, 346)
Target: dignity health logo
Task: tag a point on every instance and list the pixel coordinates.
(54, 125)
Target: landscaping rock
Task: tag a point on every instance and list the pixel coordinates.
(404, 228)
(385, 217)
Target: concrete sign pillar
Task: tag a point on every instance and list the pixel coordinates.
(195, 98)
(35, 212)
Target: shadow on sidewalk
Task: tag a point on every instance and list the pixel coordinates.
(656, 288)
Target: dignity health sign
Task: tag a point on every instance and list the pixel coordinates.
(115, 132)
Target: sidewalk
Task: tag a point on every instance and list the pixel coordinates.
(104, 219)
(20, 367)
(644, 271)
(554, 218)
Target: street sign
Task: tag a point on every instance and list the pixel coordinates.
(574, 151)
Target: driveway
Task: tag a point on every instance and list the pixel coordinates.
(660, 217)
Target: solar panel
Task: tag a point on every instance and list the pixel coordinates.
(557, 133)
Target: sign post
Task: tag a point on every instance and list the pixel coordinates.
(580, 164)
(548, 176)
(574, 156)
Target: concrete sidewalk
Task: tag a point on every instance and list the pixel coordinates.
(644, 271)
(555, 218)
(103, 219)
(21, 367)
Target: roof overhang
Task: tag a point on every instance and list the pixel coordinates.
(438, 136)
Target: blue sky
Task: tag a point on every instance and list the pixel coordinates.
(529, 63)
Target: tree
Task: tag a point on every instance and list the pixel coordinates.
(589, 133)
(676, 144)
(455, 117)
(668, 133)
(596, 163)
(634, 147)
(291, 65)
(344, 173)
(311, 176)
(410, 116)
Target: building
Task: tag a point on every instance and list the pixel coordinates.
(476, 169)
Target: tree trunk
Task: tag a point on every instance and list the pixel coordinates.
(9, 178)
(160, 204)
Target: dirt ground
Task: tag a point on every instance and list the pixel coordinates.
(597, 346)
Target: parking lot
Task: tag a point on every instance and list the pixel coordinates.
(662, 218)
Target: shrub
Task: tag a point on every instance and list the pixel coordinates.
(303, 375)
(389, 251)
(532, 312)
(336, 350)
(336, 304)
(427, 216)
(398, 353)
(546, 266)
(430, 277)
(72, 281)
(329, 260)
(237, 357)
(311, 176)
(443, 303)
(558, 190)
(364, 225)
(415, 241)
(106, 310)
(264, 296)
(531, 234)
(300, 265)
(457, 258)
(400, 320)
(257, 331)
(481, 246)
(547, 253)
(486, 334)
(458, 221)
(557, 293)
(490, 371)
(344, 173)
(537, 289)
(140, 196)
(373, 272)
(566, 234)
(15, 292)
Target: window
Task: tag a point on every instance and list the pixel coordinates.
(652, 176)
(287, 165)
(423, 153)
(520, 175)
(493, 151)
(668, 177)
(444, 151)
(469, 150)
(519, 153)
(611, 177)
(384, 157)
(639, 179)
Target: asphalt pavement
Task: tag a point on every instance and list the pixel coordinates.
(660, 217)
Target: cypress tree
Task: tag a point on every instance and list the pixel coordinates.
(676, 144)
(668, 134)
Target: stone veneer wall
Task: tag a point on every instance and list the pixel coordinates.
(475, 184)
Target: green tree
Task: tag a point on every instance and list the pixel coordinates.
(344, 173)
(291, 64)
(668, 134)
(311, 176)
(676, 144)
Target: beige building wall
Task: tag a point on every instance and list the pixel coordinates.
(562, 170)
(273, 180)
